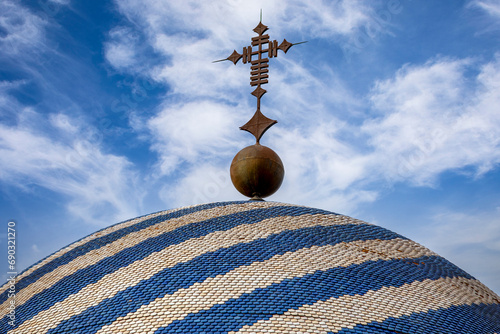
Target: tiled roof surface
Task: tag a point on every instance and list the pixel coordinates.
(248, 267)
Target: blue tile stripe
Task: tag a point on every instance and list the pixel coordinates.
(216, 263)
(262, 304)
(464, 319)
(73, 283)
(104, 240)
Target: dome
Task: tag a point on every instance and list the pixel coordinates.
(248, 267)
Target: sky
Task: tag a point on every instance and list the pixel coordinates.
(390, 113)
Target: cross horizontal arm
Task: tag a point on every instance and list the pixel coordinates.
(247, 52)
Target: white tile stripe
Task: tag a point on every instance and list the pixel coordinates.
(376, 305)
(131, 275)
(260, 275)
(127, 241)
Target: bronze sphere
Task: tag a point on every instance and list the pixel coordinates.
(257, 171)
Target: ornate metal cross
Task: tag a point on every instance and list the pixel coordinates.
(259, 74)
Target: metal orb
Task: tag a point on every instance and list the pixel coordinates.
(257, 171)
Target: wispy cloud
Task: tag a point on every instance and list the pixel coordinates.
(194, 132)
(415, 119)
(61, 2)
(197, 122)
(191, 35)
(97, 184)
(435, 118)
(120, 49)
(201, 183)
(54, 148)
(425, 120)
(20, 29)
(492, 7)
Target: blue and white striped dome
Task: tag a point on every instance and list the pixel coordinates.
(248, 267)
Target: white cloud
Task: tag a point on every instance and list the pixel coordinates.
(7, 103)
(61, 2)
(427, 119)
(193, 132)
(192, 34)
(319, 167)
(492, 7)
(307, 98)
(20, 30)
(121, 49)
(434, 118)
(203, 183)
(63, 123)
(57, 151)
(226, 19)
(323, 19)
(101, 187)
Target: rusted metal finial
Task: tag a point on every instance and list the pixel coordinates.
(259, 73)
(257, 171)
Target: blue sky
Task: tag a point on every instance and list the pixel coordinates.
(390, 113)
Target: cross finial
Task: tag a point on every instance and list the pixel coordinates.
(257, 171)
(259, 73)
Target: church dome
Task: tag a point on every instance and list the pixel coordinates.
(248, 267)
